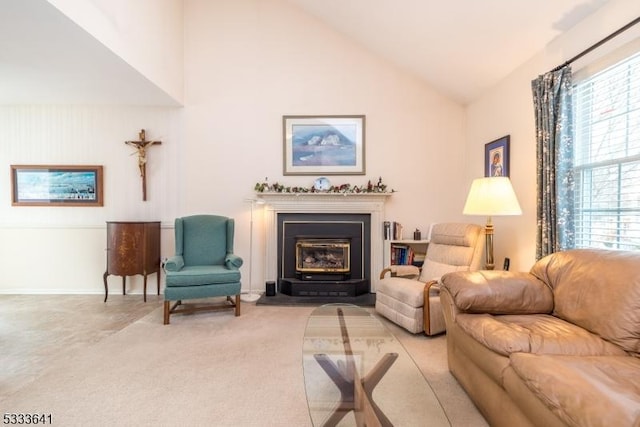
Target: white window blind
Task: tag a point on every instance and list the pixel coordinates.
(607, 157)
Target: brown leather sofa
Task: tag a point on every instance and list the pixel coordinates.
(558, 346)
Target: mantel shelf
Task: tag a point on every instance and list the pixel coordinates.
(289, 196)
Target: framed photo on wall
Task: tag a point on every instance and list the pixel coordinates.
(496, 157)
(323, 145)
(49, 185)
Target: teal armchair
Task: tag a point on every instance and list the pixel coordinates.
(203, 266)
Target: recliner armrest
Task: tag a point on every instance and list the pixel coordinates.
(233, 262)
(175, 263)
(498, 292)
(401, 271)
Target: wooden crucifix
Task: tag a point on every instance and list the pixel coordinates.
(141, 151)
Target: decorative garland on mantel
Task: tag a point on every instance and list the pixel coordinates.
(379, 187)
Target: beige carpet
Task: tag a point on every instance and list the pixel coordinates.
(209, 369)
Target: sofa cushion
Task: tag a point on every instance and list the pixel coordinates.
(498, 292)
(598, 290)
(584, 391)
(533, 333)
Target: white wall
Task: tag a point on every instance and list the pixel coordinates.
(507, 109)
(61, 249)
(247, 63)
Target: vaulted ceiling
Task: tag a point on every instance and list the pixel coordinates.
(460, 47)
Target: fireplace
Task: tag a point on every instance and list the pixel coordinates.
(324, 254)
(369, 204)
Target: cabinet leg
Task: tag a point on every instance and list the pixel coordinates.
(166, 312)
(124, 282)
(145, 288)
(106, 289)
(158, 279)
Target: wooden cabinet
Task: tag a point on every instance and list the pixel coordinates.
(132, 248)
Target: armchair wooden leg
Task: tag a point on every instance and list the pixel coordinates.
(166, 311)
(237, 305)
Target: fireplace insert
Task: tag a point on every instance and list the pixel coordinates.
(323, 259)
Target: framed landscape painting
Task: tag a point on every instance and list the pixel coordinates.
(47, 185)
(496, 157)
(324, 145)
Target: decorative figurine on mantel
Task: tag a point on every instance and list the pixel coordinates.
(141, 151)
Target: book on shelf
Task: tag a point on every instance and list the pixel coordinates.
(405, 254)
(418, 259)
(387, 230)
(402, 254)
(397, 231)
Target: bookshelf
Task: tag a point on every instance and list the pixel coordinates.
(404, 251)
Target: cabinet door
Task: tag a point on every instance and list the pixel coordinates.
(125, 248)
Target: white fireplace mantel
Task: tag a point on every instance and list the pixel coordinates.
(367, 203)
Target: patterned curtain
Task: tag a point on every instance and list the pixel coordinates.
(552, 99)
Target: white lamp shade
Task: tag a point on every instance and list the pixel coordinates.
(492, 196)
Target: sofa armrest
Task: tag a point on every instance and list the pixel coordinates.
(175, 263)
(408, 271)
(233, 262)
(498, 292)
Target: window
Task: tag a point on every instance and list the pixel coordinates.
(607, 158)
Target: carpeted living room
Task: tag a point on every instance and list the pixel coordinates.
(350, 158)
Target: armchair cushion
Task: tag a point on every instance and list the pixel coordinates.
(498, 292)
(196, 275)
(404, 290)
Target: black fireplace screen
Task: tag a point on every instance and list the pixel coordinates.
(323, 255)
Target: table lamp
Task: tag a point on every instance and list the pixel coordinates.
(493, 196)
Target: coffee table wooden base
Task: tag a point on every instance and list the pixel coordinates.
(355, 393)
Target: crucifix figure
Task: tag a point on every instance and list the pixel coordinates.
(141, 151)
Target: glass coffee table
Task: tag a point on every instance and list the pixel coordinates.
(356, 373)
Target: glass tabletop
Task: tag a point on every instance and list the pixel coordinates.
(356, 373)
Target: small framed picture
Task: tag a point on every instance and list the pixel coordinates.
(49, 185)
(496, 157)
(323, 145)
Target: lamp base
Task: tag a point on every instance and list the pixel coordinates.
(488, 232)
(249, 297)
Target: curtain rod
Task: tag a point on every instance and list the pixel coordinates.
(598, 44)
